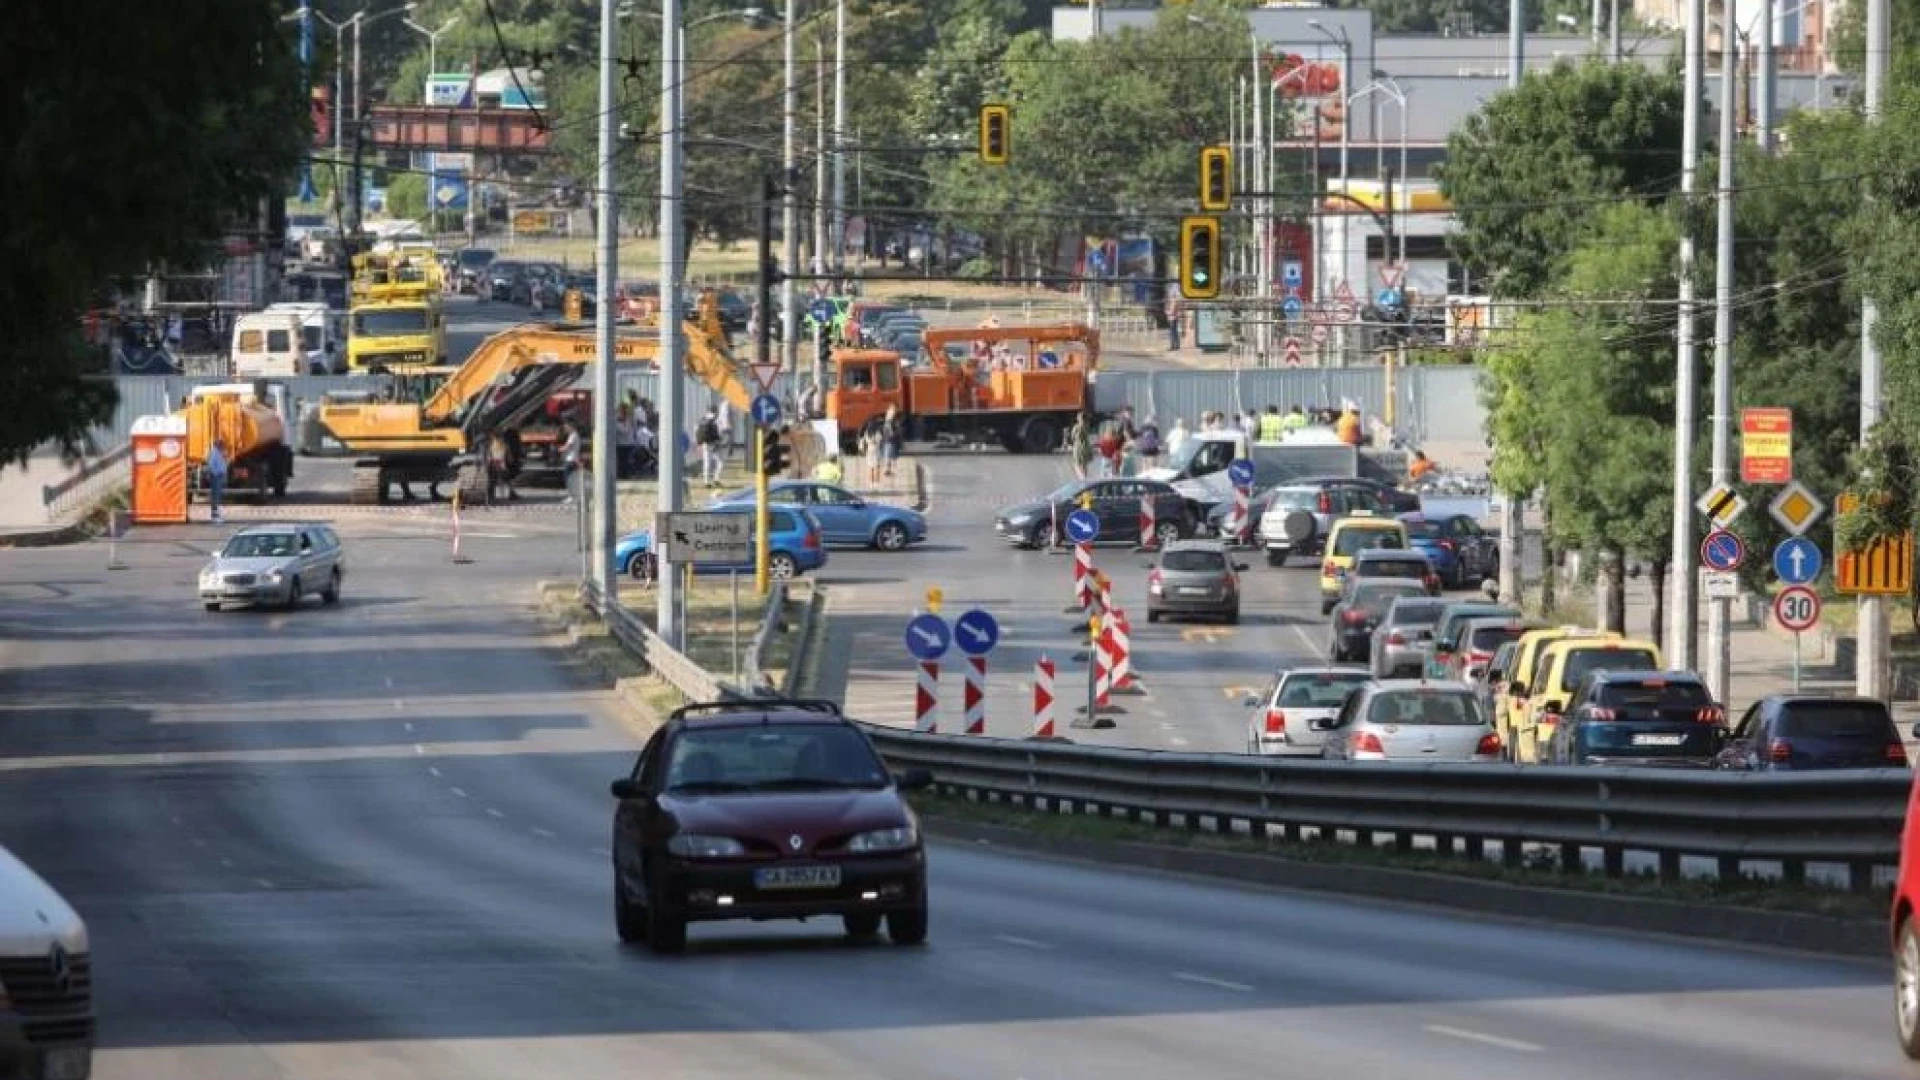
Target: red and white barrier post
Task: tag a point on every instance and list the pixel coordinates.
(976, 695)
(458, 558)
(1082, 577)
(926, 697)
(1043, 698)
(1149, 540)
(1121, 641)
(1242, 515)
(1102, 660)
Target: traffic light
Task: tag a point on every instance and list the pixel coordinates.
(1216, 178)
(996, 134)
(773, 452)
(1200, 258)
(823, 348)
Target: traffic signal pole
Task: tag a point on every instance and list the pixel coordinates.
(763, 354)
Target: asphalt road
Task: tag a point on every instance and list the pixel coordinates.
(370, 841)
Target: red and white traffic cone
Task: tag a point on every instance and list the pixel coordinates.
(1123, 680)
(1043, 699)
(1149, 537)
(926, 697)
(976, 695)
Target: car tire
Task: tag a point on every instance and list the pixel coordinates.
(331, 594)
(890, 536)
(211, 607)
(640, 566)
(629, 918)
(294, 594)
(908, 927)
(1326, 608)
(1906, 984)
(1166, 532)
(1232, 618)
(1041, 535)
(861, 924)
(1276, 558)
(666, 929)
(782, 567)
(1152, 615)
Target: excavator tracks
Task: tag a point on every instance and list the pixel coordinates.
(369, 484)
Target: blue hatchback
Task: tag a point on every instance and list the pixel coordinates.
(845, 518)
(794, 540)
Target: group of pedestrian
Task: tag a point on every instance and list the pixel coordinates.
(1117, 447)
(880, 444)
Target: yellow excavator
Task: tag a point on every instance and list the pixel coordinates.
(506, 380)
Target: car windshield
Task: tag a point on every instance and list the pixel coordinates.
(1416, 612)
(1352, 541)
(1488, 638)
(1653, 694)
(1431, 707)
(394, 323)
(1581, 662)
(475, 258)
(1410, 568)
(1320, 690)
(1194, 562)
(261, 546)
(772, 757)
(1837, 720)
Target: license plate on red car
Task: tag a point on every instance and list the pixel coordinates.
(797, 877)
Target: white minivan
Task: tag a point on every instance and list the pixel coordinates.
(286, 340)
(46, 980)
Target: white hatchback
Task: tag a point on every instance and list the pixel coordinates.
(1297, 710)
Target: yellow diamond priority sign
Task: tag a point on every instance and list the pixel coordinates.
(1796, 508)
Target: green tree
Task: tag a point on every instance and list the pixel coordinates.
(1526, 171)
(125, 150)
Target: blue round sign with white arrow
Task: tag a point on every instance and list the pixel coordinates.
(928, 637)
(1797, 560)
(1241, 473)
(766, 410)
(1083, 526)
(976, 632)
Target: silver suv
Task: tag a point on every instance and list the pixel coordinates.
(275, 564)
(1299, 516)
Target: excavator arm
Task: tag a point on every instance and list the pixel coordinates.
(497, 360)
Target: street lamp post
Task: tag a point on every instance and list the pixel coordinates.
(1262, 223)
(359, 20)
(433, 41)
(1386, 86)
(1345, 45)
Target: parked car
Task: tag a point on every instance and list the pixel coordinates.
(1478, 639)
(1802, 732)
(794, 538)
(1032, 523)
(1294, 714)
(1442, 661)
(1666, 718)
(1401, 638)
(1412, 720)
(1360, 610)
(1194, 578)
(844, 517)
(275, 564)
(1461, 552)
(1395, 564)
(765, 809)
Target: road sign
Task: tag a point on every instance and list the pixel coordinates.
(1722, 550)
(1392, 274)
(1318, 333)
(1345, 311)
(1290, 352)
(1388, 298)
(1797, 560)
(1796, 508)
(1884, 568)
(821, 311)
(766, 410)
(976, 632)
(1719, 585)
(1766, 446)
(1344, 293)
(1320, 314)
(1083, 526)
(1291, 307)
(764, 374)
(928, 636)
(1722, 505)
(1797, 608)
(703, 538)
(1292, 273)
(1241, 473)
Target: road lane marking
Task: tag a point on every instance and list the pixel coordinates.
(1025, 943)
(1209, 634)
(543, 834)
(1208, 980)
(198, 842)
(228, 863)
(433, 770)
(462, 792)
(1483, 1039)
(492, 813)
(1233, 693)
(263, 883)
(1304, 639)
(1177, 741)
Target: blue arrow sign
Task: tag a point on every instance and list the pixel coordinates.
(928, 637)
(822, 311)
(766, 410)
(1291, 307)
(976, 632)
(1388, 298)
(1049, 359)
(1083, 526)
(1241, 473)
(1797, 560)
(1722, 550)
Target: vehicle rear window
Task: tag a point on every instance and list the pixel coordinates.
(1488, 638)
(772, 757)
(1836, 720)
(1296, 499)
(782, 521)
(1417, 612)
(1581, 662)
(1375, 599)
(1410, 568)
(1428, 707)
(1353, 541)
(1654, 694)
(1194, 562)
(1423, 530)
(1321, 690)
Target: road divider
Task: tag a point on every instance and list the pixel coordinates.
(1043, 698)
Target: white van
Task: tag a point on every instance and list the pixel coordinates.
(287, 340)
(46, 966)
(1199, 470)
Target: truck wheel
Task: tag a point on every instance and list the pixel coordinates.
(1041, 436)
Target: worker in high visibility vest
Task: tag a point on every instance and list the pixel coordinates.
(1272, 428)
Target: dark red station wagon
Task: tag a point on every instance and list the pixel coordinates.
(765, 809)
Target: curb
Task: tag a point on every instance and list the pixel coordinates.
(1691, 920)
(51, 536)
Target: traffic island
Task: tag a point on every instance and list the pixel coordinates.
(592, 650)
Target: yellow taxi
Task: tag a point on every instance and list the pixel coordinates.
(1350, 536)
(1561, 666)
(1511, 705)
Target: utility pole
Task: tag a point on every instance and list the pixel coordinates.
(762, 354)
(1681, 619)
(790, 205)
(1871, 676)
(606, 510)
(840, 139)
(1614, 53)
(1516, 44)
(306, 77)
(1512, 508)
(673, 378)
(1764, 85)
(1262, 220)
(820, 240)
(1719, 658)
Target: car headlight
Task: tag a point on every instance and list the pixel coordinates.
(273, 577)
(696, 846)
(895, 839)
(209, 576)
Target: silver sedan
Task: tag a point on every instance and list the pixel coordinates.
(1404, 635)
(275, 564)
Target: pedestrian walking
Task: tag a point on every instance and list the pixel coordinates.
(216, 478)
(1080, 443)
(712, 449)
(893, 436)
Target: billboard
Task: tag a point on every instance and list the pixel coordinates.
(447, 181)
(449, 91)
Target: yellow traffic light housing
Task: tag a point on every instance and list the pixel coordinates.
(996, 134)
(1216, 179)
(1200, 258)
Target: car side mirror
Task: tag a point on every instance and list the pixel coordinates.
(913, 779)
(626, 788)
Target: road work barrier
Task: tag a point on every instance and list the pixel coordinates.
(1082, 578)
(974, 702)
(1043, 698)
(926, 696)
(1849, 818)
(1149, 540)
(1120, 650)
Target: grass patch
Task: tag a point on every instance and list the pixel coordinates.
(1746, 892)
(710, 627)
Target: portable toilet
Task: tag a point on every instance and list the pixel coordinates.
(159, 470)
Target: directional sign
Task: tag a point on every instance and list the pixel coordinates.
(822, 311)
(1291, 307)
(764, 374)
(1392, 274)
(1797, 560)
(1722, 550)
(1797, 608)
(1796, 508)
(704, 538)
(976, 632)
(928, 636)
(766, 410)
(1290, 352)
(1083, 526)
(1883, 568)
(1241, 473)
(1722, 505)
(1388, 298)
(1766, 446)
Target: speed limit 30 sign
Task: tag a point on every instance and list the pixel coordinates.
(1796, 608)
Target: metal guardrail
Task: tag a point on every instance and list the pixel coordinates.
(92, 480)
(1849, 818)
(753, 665)
(803, 641)
(676, 667)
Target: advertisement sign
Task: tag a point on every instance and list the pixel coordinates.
(449, 91)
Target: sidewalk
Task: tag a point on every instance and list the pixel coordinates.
(25, 516)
